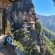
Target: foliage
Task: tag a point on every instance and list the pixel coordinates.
(19, 45)
(18, 33)
(38, 27)
(49, 45)
(29, 49)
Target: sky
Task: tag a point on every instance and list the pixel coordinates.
(44, 7)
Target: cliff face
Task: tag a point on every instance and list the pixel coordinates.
(22, 13)
(22, 17)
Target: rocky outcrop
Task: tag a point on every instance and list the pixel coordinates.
(20, 13)
(22, 16)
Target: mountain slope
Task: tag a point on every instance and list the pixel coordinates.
(48, 21)
(48, 30)
(50, 34)
(49, 45)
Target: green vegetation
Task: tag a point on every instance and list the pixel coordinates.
(38, 27)
(26, 47)
(28, 50)
(49, 45)
(19, 45)
(21, 34)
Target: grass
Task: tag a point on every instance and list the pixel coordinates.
(19, 45)
(49, 45)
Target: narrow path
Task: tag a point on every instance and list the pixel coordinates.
(4, 51)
